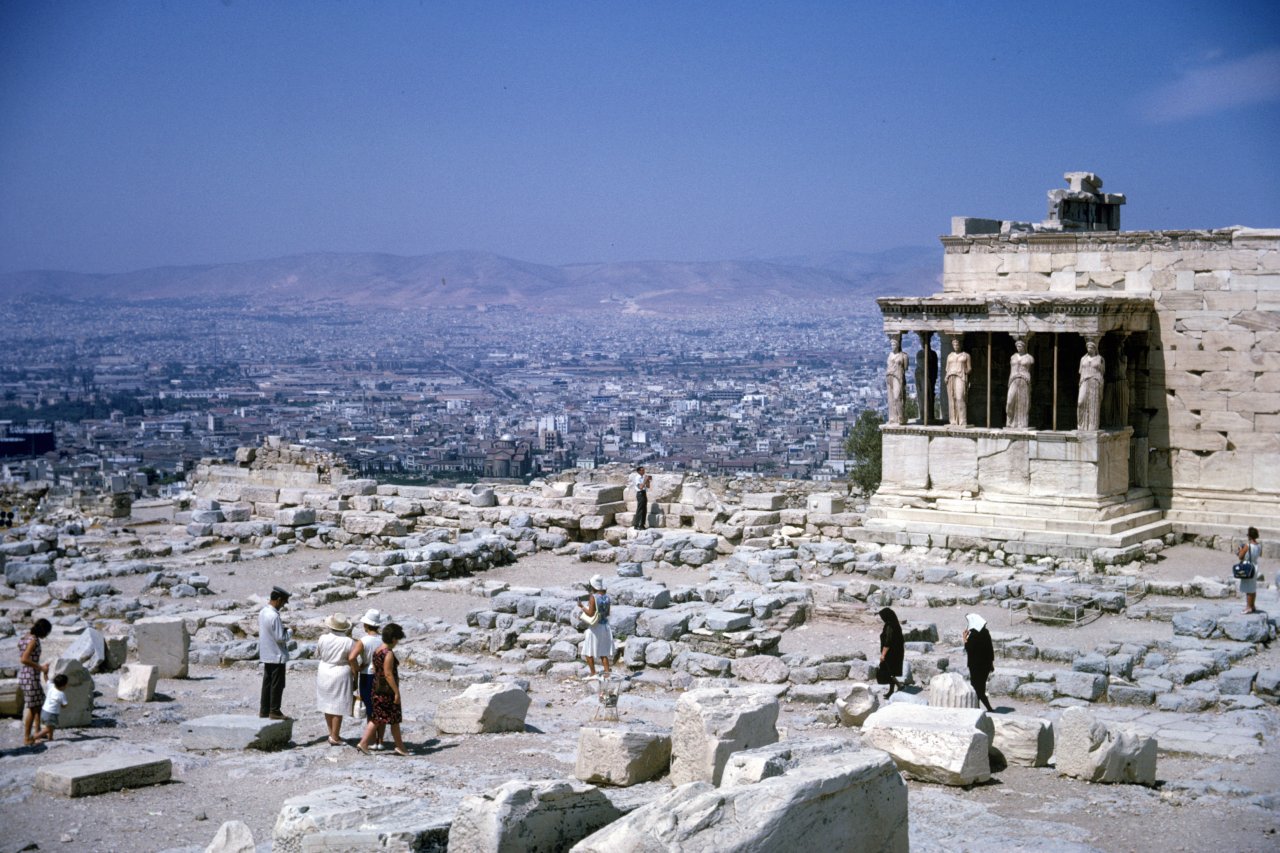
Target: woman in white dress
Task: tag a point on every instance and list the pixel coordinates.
(339, 657)
(597, 642)
(1250, 552)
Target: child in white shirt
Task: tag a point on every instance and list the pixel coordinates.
(54, 700)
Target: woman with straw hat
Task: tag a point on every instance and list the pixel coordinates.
(339, 656)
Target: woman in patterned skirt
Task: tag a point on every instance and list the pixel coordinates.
(29, 677)
(386, 691)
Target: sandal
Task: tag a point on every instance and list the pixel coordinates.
(333, 742)
(401, 752)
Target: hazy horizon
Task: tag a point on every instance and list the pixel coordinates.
(144, 134)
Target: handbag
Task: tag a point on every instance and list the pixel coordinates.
(1243, 570)
(382, 687)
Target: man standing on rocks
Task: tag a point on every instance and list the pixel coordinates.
(273, 651)
(640, 481)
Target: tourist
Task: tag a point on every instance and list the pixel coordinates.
(1250, 552)
(372, 621)
(339, 656)
(597, 641)
(273, 651)
(981, 654)
(29, 678)
(387, 708)
(53, 705)
(892, 651)
(640, 481)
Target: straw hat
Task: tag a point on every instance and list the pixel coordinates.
(338, 623)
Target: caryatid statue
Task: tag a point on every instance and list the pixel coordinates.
(925, 395)
(895, 376)
(1017, 407)
(958, 367)
(1089, 402)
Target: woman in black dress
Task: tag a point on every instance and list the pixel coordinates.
(892, 650)
(386, 691)
(981, 654)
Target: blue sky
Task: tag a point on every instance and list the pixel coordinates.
(147, 133)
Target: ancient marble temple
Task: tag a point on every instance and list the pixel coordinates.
(1091, 388)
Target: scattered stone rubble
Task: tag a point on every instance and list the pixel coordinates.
(765, 566)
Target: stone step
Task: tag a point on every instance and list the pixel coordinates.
(935, 529)
(979, 520)
(1228, 525)
(1065, 511)
(236, 731)
(85, 777)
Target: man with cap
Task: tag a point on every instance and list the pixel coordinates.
(598, 640)
(273, 651)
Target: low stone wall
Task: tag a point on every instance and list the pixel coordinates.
(286, 495)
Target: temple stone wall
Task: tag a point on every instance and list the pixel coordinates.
(1213, 354)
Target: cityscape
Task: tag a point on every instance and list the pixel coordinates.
(139, 392)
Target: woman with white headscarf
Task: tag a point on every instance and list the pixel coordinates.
(981, 654)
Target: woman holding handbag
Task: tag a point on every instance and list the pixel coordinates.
(597, 641)
(1250, 552)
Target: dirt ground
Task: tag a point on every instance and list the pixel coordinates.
(1201, 804)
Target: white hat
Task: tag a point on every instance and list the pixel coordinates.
(373, 618)
(976, 622)
(597, 582)
(337, 622)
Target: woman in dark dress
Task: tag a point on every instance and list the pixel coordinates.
(386, 691)
(981, 654)
(892, 650)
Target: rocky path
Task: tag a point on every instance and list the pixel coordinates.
(1219, 769)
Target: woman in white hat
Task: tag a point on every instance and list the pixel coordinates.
(339, 656)
(373, 620)
(598, 639)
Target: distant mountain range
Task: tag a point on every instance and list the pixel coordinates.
(479, 279)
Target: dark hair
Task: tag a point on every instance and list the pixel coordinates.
(41, 628)
(60, 680)
(1253, 533)
(393, 633)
